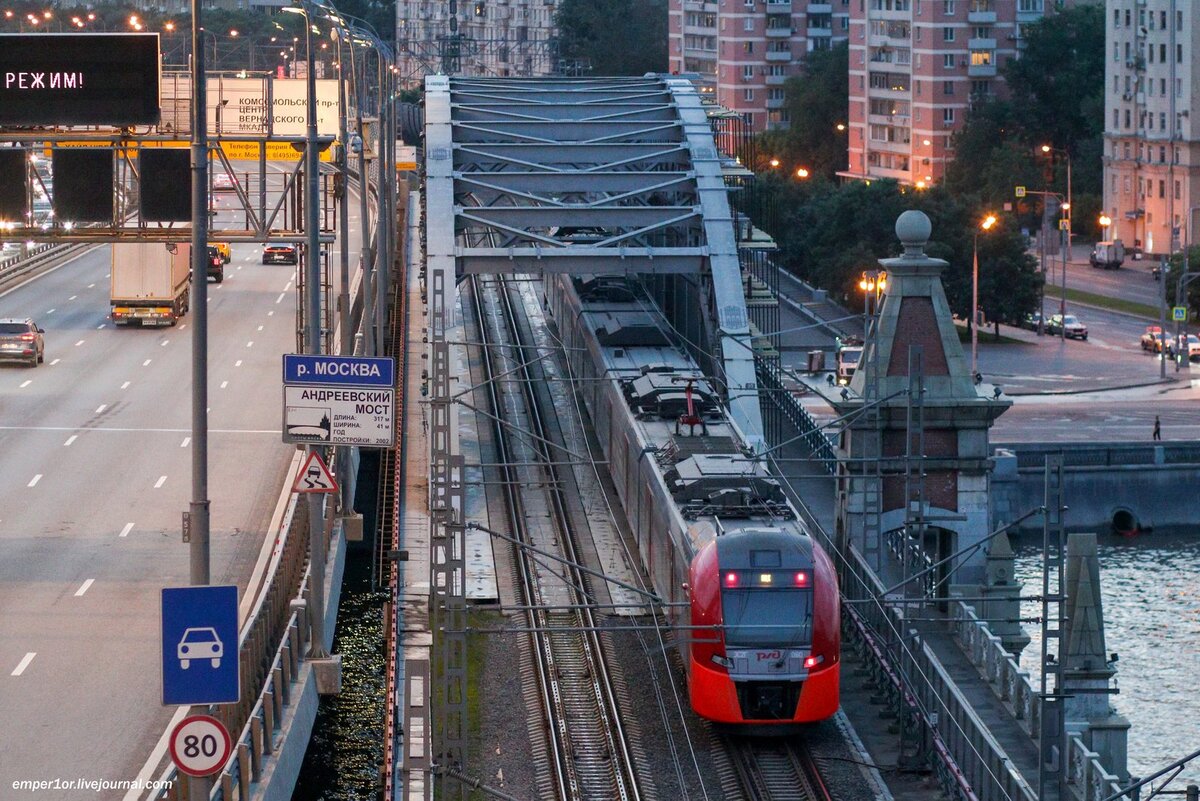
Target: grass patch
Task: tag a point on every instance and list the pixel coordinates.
(986, 336)
(477, 646)
(1105, 302)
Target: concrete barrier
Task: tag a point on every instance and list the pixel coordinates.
(1122, 487)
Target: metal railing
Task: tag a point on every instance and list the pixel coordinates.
(770, 379)
(969, 762)
(1087, 778)
(1083, 455)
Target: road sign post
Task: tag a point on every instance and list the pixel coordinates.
(200, 745)
(200, 645)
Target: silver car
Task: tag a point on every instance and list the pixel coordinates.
(22, 340)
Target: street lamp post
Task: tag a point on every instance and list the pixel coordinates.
(1066, 235)
(985, 225)
(312, 338)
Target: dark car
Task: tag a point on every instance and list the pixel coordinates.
(216, 264)
(1032, 321)
(21, 339)
(280, 253)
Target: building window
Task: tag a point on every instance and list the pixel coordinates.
(1162, 120)
(748, 95)
(1116, 18)
(948, 8)
(948, 116)
(747, 72)
(948, 60)
(747, 47)
(948, 88)
(1162, 189)
(947, 34)
(1177, 190)
(1127, 121)
(748, 24)
(1116, 119)
(1162, 154)
(982, 58)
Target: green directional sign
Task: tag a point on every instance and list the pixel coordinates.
(1179, 314)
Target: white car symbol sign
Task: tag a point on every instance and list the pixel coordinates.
(200, 643)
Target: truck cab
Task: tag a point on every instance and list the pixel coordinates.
(849, 354)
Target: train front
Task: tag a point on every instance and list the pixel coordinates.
(765, 645)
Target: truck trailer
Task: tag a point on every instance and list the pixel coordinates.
(150, 282)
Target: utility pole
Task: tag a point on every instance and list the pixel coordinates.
(198, 509)
(1162, 317)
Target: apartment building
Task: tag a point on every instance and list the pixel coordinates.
(1151, 144)
(916, 68)
(496, 38)
(742, 51)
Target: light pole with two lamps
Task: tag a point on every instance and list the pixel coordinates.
(1065, 226)
(984, 225)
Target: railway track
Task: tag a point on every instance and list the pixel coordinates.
(771, 770)
(587, 755)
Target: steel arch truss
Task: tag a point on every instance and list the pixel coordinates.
(590, 176)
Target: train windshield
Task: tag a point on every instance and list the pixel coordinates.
(767, 618)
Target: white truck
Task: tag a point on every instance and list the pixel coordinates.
(1108, 255)
(849, 354)
(150, 282)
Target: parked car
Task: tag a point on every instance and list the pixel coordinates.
(1069, 326)
(1032, 321)
(21, 339)
(222, 182)
(280, 253)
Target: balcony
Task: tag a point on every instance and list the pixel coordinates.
(779, 6)
(981, 44)
(777, 56)
(779, 33)
(981, 71)
(816, 33)
(981, 17)
(776, 80)
(820, 8)
(773, 104)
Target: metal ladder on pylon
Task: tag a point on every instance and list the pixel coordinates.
(1052, 740)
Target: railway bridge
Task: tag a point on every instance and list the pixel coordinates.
(632, 177)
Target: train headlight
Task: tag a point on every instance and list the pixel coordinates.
(812, 661)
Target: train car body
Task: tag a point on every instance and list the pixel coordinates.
(754, 595)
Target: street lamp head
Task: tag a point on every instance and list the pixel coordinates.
(1046, 148)
(1105, 221)
(234, 33)
(774, 162)
(801, 172)
(841, 126)
(988, 222)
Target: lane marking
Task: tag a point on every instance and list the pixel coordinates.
(24, 663)
(35, 480)
(282, 295)
(182, 326)
(51, 311)
(56, 361)
(125, 385)
(70, 439)
(260, 328)
(208, 299)
(164, 343)
(80, 342)
(224, 384)
(161, 480)
(25, 383)
(72, 297)
(271, 313)
(91, 286)
(146, 363)
(238, 363)
(250, 344)
(288, 286)
(84, 587)
(125, 531)
(185, 442)
(100, 327)
(100, 409)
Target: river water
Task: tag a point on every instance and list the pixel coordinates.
(1151, 595)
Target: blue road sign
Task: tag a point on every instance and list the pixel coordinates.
(357, 371)
(200, 645)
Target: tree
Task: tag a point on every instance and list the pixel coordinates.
(817, 102)
(614, 37)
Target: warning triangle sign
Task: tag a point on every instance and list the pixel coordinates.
(314, 476)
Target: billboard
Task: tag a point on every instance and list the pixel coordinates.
(60, 79)
(239, 105)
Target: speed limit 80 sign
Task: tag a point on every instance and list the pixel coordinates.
(200, 745)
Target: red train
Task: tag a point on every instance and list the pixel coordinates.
(755, 596)
(772, 656)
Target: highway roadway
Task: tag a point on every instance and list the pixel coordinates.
(95, 471)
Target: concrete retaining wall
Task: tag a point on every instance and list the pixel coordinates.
(1144, 486)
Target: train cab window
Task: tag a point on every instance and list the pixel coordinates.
(766, 613)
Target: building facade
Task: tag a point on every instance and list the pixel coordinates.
(1151, 144)
(495, 38)
(742, 51)
(916, 68)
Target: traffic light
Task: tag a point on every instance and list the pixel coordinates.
(83, 184)
(165, 185)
